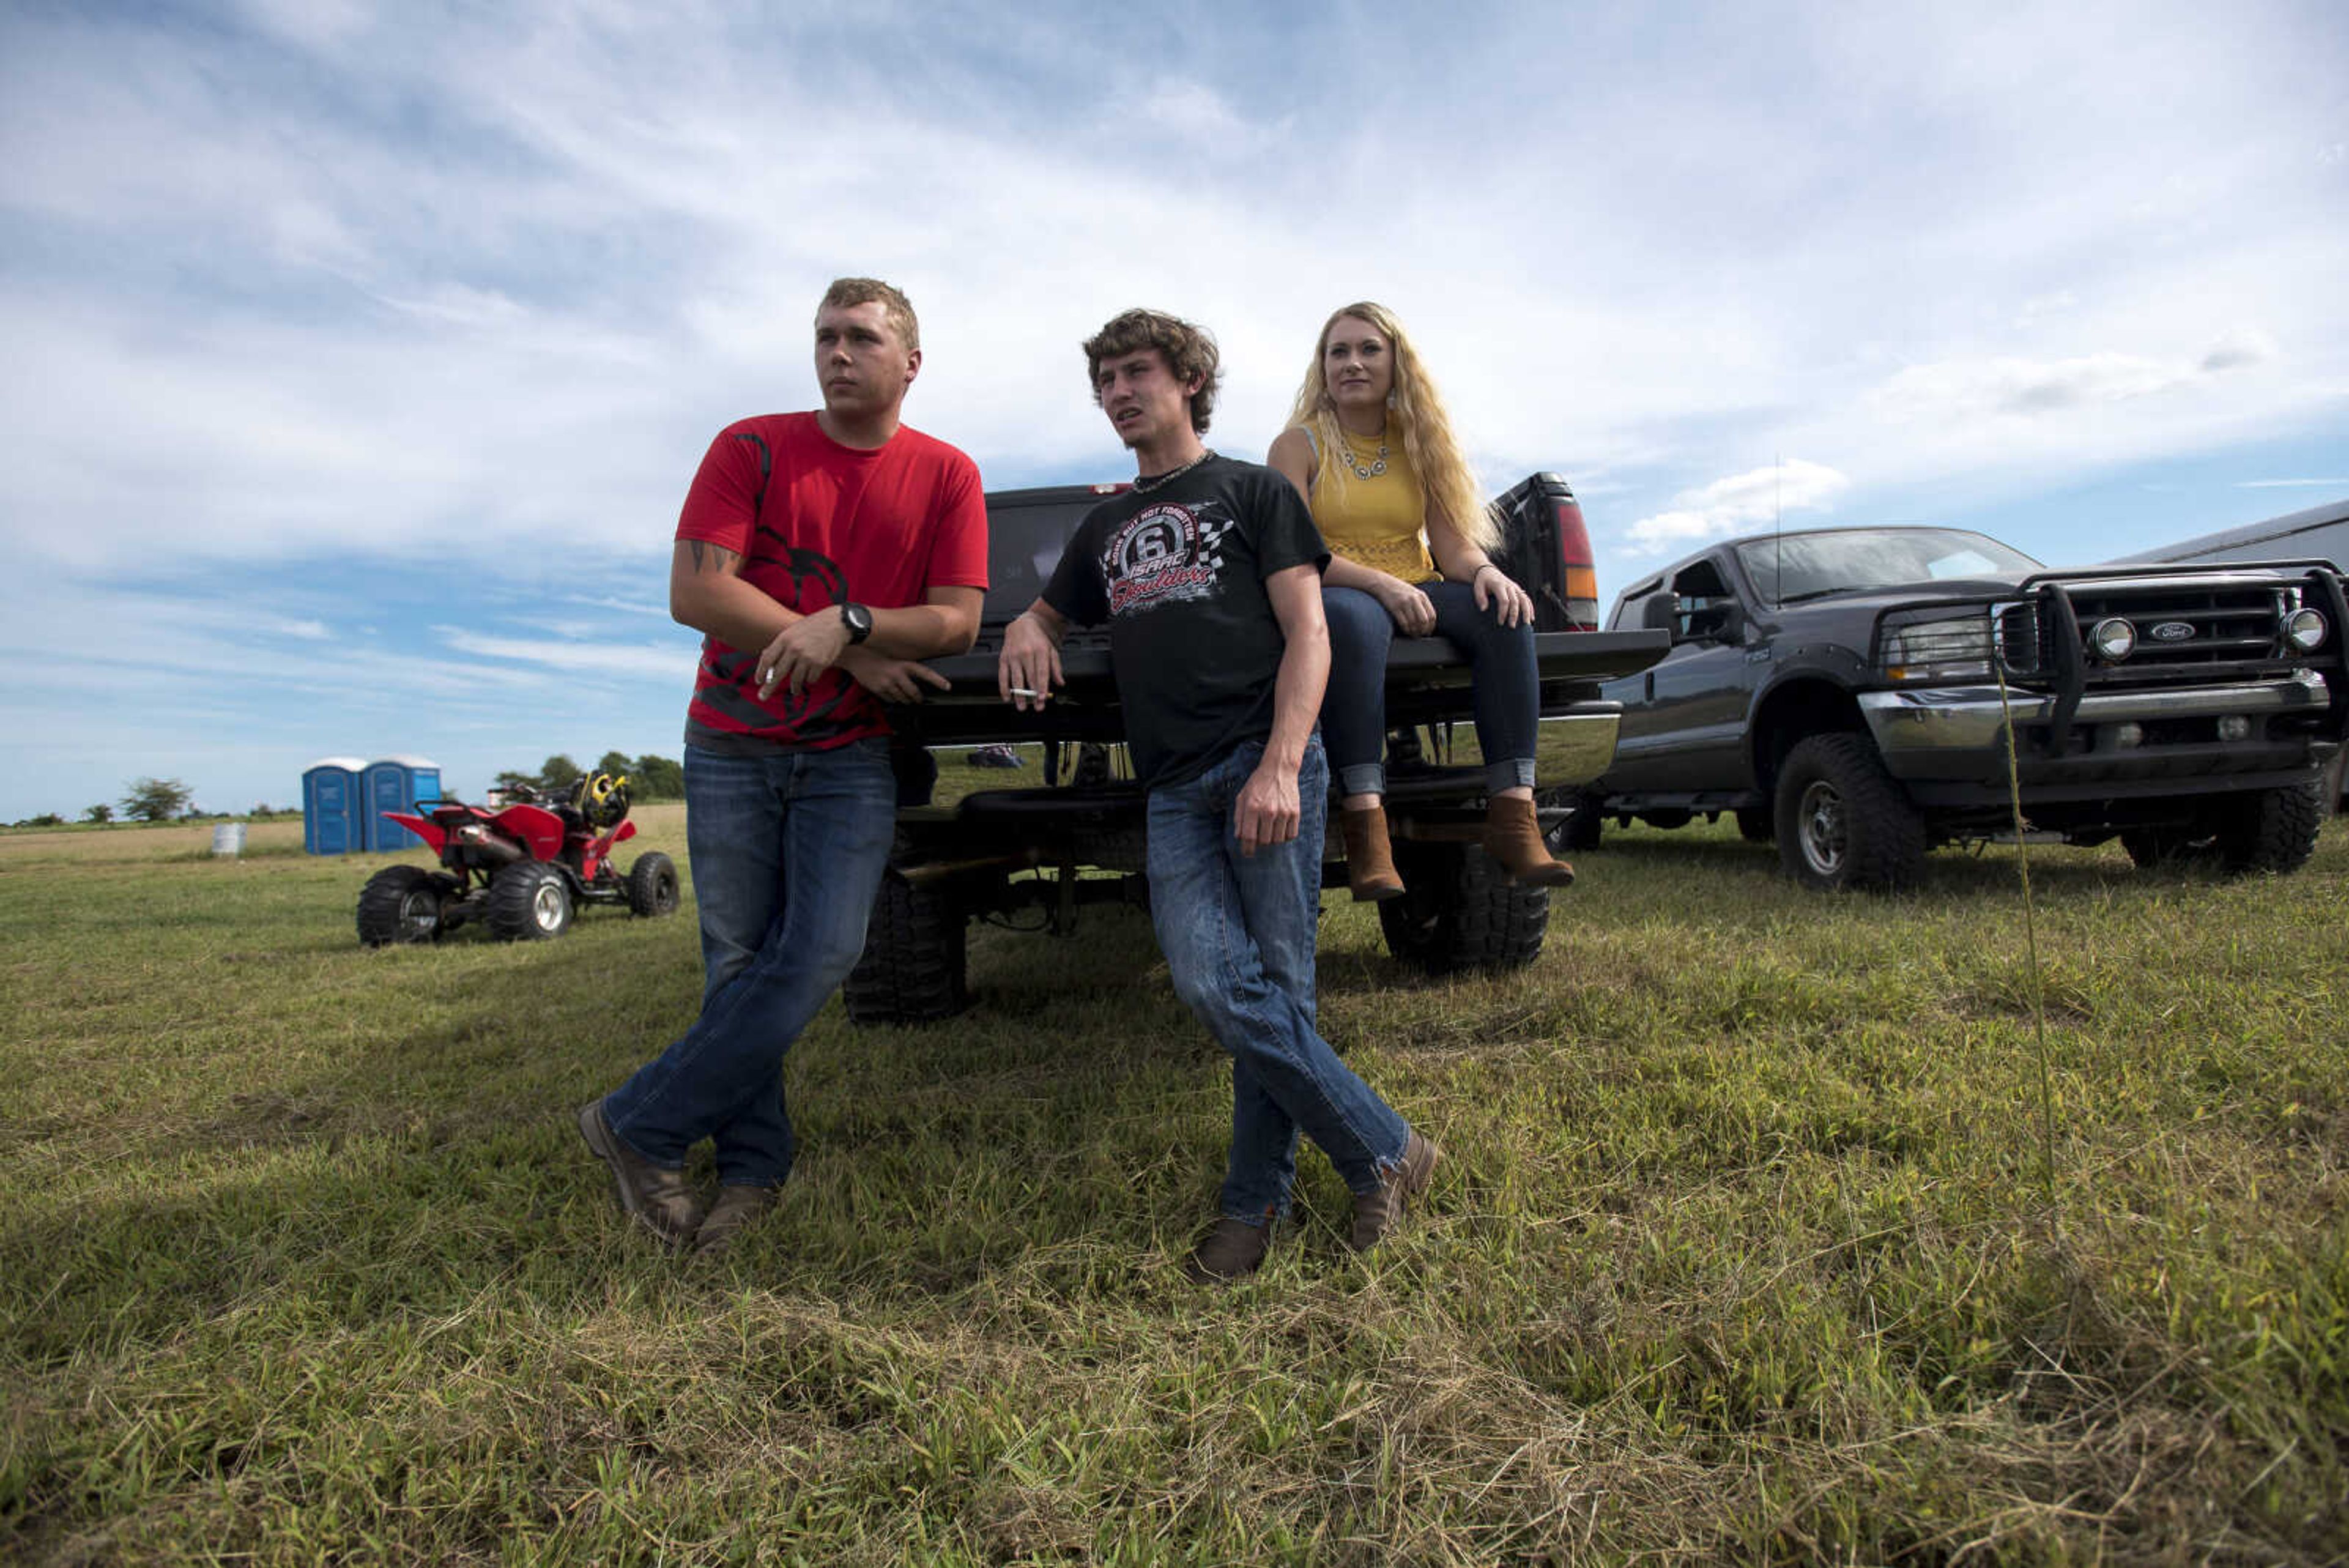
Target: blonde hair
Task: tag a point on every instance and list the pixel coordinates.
(895, 309)
(1415, 410)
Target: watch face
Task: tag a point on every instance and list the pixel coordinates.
(858, 621)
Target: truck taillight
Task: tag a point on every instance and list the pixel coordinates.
(1576, 569)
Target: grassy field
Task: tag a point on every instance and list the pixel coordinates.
(1752, 1243)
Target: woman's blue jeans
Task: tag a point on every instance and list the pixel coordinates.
(787, 853)
(1238, 931)
(1354, 707)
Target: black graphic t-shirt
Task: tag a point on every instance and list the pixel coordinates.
(1178, 572)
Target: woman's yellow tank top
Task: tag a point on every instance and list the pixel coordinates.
(1377, 522)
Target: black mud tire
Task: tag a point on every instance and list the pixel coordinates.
(1754, 825)
(1843, 821)
(529, 902)
(2271, 829)
(2163, 848)
(400, 904)
(1460, 911)
(913, 968)
(1578, 833)
(652, 885)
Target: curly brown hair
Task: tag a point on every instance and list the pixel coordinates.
(1189, 350)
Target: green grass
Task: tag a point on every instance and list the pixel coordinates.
(1743, 1250)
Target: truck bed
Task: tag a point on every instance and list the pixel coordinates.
(1420, 672)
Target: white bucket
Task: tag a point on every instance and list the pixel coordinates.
(228, 838)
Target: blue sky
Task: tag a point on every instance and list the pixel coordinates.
(360, 356)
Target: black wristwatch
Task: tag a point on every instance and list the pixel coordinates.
(858, 621)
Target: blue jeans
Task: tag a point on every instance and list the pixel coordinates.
(787, 853)
(1237, 932)
(1354, 708)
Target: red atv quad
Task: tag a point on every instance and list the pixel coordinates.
(520, 870)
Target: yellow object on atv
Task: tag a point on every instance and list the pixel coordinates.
(601, 799)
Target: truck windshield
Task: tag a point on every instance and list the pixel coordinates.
(1806, 565)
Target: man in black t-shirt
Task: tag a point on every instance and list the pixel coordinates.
(1208, 573)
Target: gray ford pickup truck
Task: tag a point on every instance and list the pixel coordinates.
(1038, 857)
(1850, 693)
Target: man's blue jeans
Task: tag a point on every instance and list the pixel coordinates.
(1507, 685)
(787, 853)
(1238, 931)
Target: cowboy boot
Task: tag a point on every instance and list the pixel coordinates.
(1513, 837)
(1370, 863)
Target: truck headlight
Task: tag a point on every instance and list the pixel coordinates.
(2305, 629)
(2111, 640)
(1946, 648)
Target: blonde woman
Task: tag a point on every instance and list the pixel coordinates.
(1372, 450)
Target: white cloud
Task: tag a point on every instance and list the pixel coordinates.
(1973, 388)
(571, 657)
(337, 289)
(1740, 501)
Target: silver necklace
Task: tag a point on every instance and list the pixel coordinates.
(1143, 486)
(1378, 464)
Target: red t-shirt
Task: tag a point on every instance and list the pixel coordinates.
(819, 524)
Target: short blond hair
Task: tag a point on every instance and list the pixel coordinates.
(895, 307)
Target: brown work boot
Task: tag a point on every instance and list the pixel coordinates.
(1231, 1249)
(1512, 837)
(1376, 1213)
(659, 1200)
(1370, 863)
(737, 1206)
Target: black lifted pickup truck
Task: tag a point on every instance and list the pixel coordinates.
(1849, 692)
(1036, 856)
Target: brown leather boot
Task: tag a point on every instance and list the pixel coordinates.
(659, 1198)
(1377, 1212)
(1231, 1249)
(1370, 864)
(1512, 837)
(737, 1207)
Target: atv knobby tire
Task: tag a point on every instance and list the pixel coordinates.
(1842, 820)
(2271, 829)
(652, 885)
(1459, 910)
(528, 902)
(912, 971)
(400, 904)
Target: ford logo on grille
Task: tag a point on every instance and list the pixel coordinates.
(2172, 631)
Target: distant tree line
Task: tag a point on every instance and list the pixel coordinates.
(649, 777)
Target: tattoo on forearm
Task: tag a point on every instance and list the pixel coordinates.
(719, 557)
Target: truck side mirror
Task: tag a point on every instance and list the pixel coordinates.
(1661, 613)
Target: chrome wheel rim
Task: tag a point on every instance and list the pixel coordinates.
(1822, 830)
(420, 913)
(546, 906)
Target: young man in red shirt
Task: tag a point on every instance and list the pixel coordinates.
(823, 554)
(1208, 573)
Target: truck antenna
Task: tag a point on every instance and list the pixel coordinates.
(1778, 527)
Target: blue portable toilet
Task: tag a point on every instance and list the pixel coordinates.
(334, 807)
(397, 784)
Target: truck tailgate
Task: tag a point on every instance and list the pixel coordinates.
(972, 712)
